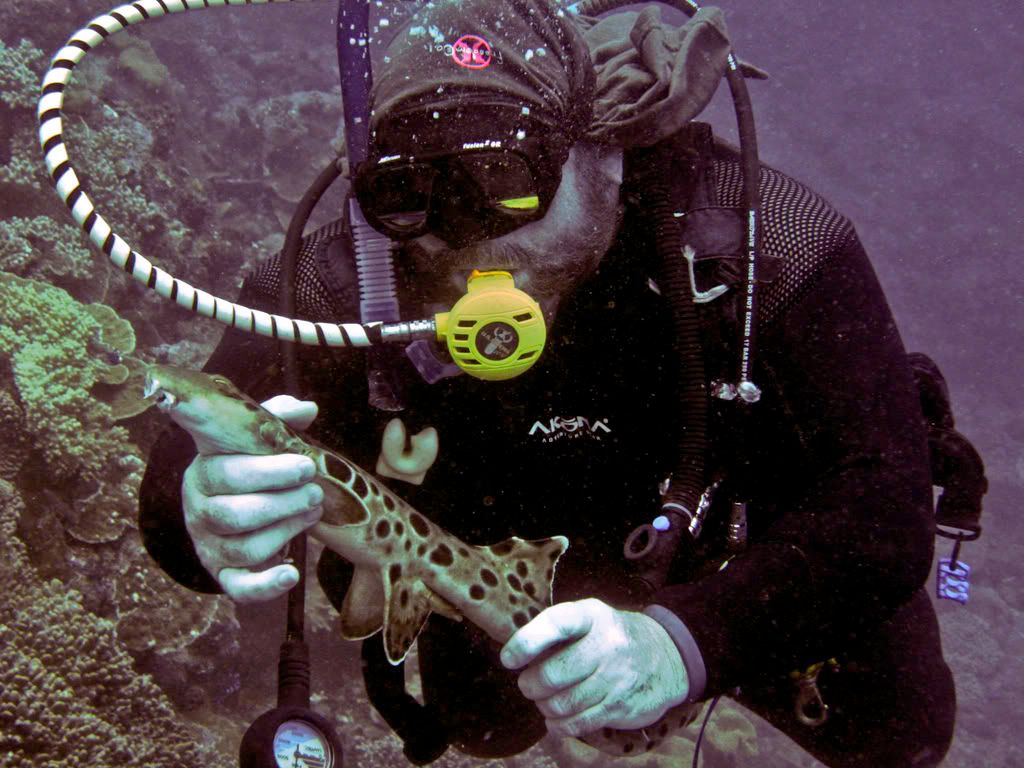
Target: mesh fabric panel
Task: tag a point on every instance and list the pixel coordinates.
(312, 299)
(797, 225)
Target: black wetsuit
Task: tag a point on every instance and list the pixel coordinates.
(833, 462)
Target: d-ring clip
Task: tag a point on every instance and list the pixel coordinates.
(700, 297)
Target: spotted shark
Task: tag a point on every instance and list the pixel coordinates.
(405, 566)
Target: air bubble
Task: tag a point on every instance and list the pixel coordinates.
(384, 23)
(520, 134)
(541, 52)
(436, 115)
(526, 110)
(529, 54)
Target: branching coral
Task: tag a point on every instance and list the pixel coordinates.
(68, 692)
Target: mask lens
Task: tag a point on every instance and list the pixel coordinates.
(400, 197)
(504, 181)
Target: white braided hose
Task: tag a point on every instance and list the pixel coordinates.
(124, 257)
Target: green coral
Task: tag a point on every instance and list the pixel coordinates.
(44, 248)
(19, 78)
(68, 692)
(51, 345)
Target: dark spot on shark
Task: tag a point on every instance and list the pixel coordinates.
(389, 505)
(399, 525)
(529, 589)
(606, 732)
(360, 488)
(490, 578)
(520, 619)
(502, 547)
(383, 529)
(394, 572)
(651, 745)
(421, 549)
(549, 574)
(477, 592)
(374, 489)
(251, 407)
(627, 747)
(533, 611)
(419, 524)
(663, 730)
(408, 545)
(338, 468)
(554, 554)
(521, 569)
(442, 555)
(513, 600)
(463, 552)
(403, 598)
(514, 582)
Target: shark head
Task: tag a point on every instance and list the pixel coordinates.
(220, 418)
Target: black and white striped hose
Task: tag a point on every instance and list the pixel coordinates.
(125, 257)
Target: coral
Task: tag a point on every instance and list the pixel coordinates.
(19, 82)
(49, 341)
(140, 62)
(68, 692)
(187, 641)
(16, 443)
(42, 248)
(123, 392)
(115, 335)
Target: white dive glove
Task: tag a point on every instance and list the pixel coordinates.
(241, 510)
(589, 665)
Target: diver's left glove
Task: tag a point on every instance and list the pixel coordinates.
(589, 666)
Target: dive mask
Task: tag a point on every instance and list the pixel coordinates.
(486, 182)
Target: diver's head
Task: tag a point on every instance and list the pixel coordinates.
(473, 115)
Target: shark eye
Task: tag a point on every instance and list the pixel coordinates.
(165, 400)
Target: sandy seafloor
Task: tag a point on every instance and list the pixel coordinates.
(196, 134)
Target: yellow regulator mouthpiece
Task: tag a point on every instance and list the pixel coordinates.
(494, 332)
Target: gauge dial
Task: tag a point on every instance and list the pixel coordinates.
(298, 744)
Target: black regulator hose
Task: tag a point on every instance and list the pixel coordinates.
(687, 482)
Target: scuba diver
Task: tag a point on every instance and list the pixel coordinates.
(517, 136)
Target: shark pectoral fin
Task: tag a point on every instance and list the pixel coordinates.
(409, 604)
(340, 508)
(362, 613)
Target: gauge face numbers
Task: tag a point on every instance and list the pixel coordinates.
(298, 744)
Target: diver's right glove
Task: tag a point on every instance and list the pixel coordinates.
(241, 511)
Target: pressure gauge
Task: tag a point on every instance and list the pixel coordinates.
(300, 744)
(290, 737)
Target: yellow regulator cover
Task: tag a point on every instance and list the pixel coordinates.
(495, 331)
